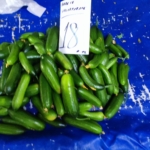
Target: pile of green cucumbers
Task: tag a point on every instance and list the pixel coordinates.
(65, 89)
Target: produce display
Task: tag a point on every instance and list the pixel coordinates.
(63, 88)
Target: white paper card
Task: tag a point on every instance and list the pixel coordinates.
(75, 26)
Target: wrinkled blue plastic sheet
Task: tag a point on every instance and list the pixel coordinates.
(129, 23)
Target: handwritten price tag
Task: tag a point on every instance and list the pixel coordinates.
(75, 26)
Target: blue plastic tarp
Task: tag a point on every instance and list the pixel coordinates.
(128, 22)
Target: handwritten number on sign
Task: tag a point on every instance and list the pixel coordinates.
(73, 36)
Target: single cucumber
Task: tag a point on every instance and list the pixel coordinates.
(115, 83)
(69, 95)
(9, 129)
(34, 39)
(104, 58)
(113, 48)
(97, 116)
(74, 61)
(58, 104)
(100, 43)
(26, 64)
(87, 125)
(47, 113)
(97, 76)
(85, 106)
(111, 62)
(91, 98)
(94, 62)
(40, 48)
(25, 35)
(77, 79)
(32, 54)
(27, 119)
(5, 101)
(52, 40)
(13, 56)
(124, 52)
(20, 91)
(108, 40)
(88, 80)
(95, 49)
(45, 92)
(13, 79)
(114, 105)
(123, 71)
(93, 32)
(32, 90)
(51, 76)
(61, 59)
(107, 78)
(50, 60)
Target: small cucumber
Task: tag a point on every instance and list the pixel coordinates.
(9, 129)
(26, 64)
(52, 40)
(49, 113)
(87, 125)
(13, 56)
(108, 40)
(97, 116)
(123, 70)
(88, 80)
(113, 107)
(27, 119)
(91, 98)
(107, 78)
(61, 59)
(20, 91)
(45, 92)
(74, 61)
(32, 90)
(50, 75)
(97, 76)
(13, 79)
(58, 104)
(85, 106)
(69, 95)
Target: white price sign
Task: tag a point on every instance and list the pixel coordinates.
(75, 26)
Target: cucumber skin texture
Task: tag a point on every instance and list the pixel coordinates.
(28, 120)
(88, 79)
(107, 78)
(50, 75)
(97, 76)
(13, 56)
(85, 94)
(20, 91)
(113, 107)
(45, 92)
(57, 100)
(74, 61)
(69, 95)
(9, 129)
(87, 125)
(63, 60)
(123, 71)
(97, 116)
(13, 78)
